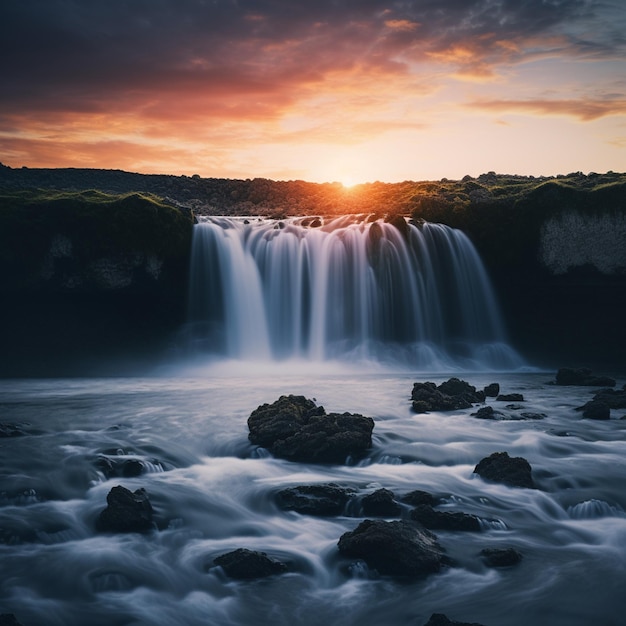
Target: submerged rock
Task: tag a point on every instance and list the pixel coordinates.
(127, 512)
(452, 395)
(294, 428)
(444, 520)
(398, 548)
(501, 557)
(12, 430)
(439, 619)
(381, 503)
(501, 468)
(243, 564)
(320, 500)
(582, 376)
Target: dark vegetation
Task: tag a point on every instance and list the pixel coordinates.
(111, 214)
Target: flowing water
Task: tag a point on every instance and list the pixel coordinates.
(213, 493)
(317, 312)
(349, 289)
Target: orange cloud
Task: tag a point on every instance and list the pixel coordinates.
(585, 109)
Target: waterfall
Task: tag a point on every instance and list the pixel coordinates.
(267, 290)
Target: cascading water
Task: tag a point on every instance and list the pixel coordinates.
(267, 290)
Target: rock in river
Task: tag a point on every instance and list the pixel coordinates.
(444, 520)
(320, 500)
(398, 548)
(243, 564)
(127, 512)
(452, 395)
(501, 468)
(296, 429)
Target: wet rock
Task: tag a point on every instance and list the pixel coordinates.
(439, 619)
(488, 413)
(381, 503)
(492, 390)
(501, 468)
(595, 410)
(8, 619)
(397, 221)
(127, 512)
(510, 397)
(319, 500)
(294, 428)
(132, 468)
(417, 497)
(452, 395)
(501, 557)
(613, 398)
(533, 416)
(582, 376)
(444, 520)
(243, 564)
(398, 548)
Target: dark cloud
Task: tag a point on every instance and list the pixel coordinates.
(106, 54)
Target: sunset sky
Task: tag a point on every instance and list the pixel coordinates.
(322, 90)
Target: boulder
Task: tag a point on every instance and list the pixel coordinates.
(501, 468)
(294, 428)
(488, 413)
(613, 398)
(127, 512)
(319, 500)
(444, 520)
(243, 564)
(582, 376)
(452, 395)
(439, 619)
(417, 497)
(510, 397)
(381, 503)
(398, 548)
(492, 390)
(595, 410)
(501, 557)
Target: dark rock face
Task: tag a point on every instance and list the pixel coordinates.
(492, 390)
(595, 410)
(444, 520)
(398, 548)
(452, 395)
(417, 497)
(294, 428)
(112, 467)
(582, 376)
(381, 503)
(501, 468)
(501, 557)
(439, 619)
(510, 397)
(127, 512)
(243, 564)
(320, 500)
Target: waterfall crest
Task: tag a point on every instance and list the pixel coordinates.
(266, 290)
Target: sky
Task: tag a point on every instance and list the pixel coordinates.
(319, 90)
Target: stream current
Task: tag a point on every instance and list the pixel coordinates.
(213, 492)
